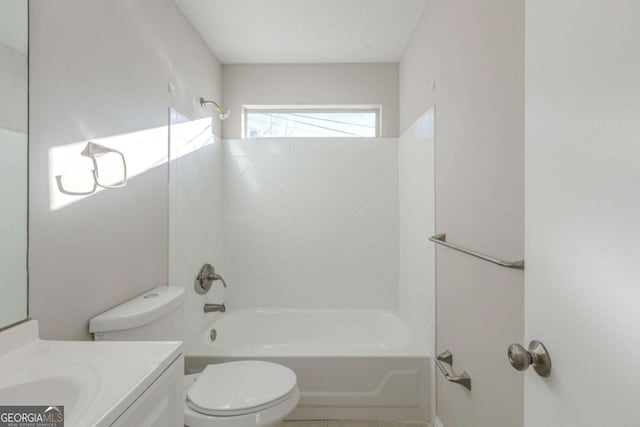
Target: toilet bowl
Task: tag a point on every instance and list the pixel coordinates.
(240, 394)
(232, 394)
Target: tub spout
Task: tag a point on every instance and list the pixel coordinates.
(213, 308)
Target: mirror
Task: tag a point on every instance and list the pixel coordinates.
(14, 78)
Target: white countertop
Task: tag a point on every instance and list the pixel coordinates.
(96, 381)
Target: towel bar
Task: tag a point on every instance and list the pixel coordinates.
(441, 239)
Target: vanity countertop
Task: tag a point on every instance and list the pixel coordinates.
(95, 381)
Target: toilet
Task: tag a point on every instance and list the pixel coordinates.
(231, 394)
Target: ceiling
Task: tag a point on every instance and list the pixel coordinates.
(305, 31)
(13, 25)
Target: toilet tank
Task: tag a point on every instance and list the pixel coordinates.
(156, 315)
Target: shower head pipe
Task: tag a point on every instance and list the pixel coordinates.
(222, 113)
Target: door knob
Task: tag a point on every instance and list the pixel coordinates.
(537, 355)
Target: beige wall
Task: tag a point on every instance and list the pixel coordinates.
(102, 69)
(304, 84)
(474, 52)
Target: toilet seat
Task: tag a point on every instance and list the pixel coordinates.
(240, 388)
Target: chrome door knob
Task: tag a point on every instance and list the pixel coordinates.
(536, 355)
(519, 357)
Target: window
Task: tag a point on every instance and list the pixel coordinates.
(311, 122)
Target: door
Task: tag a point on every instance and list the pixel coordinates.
(582, 227)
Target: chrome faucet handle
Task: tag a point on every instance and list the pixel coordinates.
(205, 279)
(216, 276)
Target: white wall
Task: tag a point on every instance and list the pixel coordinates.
(195, 212)
(474, 51)
(101, 69)
(311, 84)
(311, 223)
(582, 205)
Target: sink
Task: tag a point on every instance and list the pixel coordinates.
(96, 382)
(53, 391)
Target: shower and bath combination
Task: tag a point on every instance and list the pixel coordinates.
(203, 282)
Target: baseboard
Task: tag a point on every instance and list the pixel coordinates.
(437, 422)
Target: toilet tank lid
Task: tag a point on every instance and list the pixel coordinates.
(140, 311)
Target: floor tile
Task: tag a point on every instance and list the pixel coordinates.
(353, 424)
(394, 424)
(304, 424)
(335, 423)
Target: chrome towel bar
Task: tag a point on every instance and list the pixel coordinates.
(441, 239)
(463, 379)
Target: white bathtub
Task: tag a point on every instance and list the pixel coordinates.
(351, 364)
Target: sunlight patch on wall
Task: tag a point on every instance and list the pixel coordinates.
(188, 136)
(142, 150)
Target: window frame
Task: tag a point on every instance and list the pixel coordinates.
(310, 109)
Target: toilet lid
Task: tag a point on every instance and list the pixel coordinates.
(240, 387)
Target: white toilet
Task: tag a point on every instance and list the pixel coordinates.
(233, 394)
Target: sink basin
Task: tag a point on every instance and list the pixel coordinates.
(51, 391)
(96, 382)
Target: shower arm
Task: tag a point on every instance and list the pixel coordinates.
(203, 103)
(222, 112)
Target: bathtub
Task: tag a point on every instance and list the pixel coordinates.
(351, 364)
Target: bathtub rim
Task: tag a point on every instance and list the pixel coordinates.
(197, 345)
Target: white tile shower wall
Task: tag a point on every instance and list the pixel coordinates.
(416, 254)
(417, 222)
(195, 212)
(311, 223)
